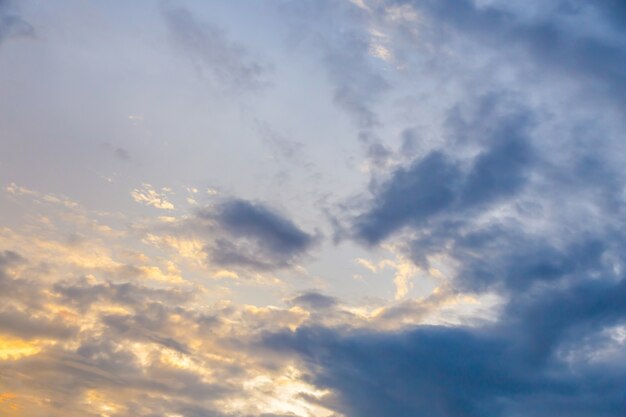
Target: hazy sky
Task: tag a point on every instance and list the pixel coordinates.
(312, 208)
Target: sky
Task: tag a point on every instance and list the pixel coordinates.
(312, 208)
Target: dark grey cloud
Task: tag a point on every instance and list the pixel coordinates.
(564, 288)
(594, 61)
(453, 206)
(550, 323)
(522, 206)
(255, 235)
(247, 219)
(11, 23)
(520, 366)
(515, 261)
(498, 172)
(411, 196)
(227, 63)
(437, 184)
(430, 371)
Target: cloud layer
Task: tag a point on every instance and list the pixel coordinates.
(467, 156)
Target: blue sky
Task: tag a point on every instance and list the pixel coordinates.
(312, 208)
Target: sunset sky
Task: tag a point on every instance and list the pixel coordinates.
(312, 208)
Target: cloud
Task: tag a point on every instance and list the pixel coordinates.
(507, 200)
(281, 147)
(558, 322)
(145, 326)
(149, 196)
(411, 196)
(139, 351)
(246, 219)
(315, 301)
(27, 325)
(231, 238)
(437, 184)
(514, 368)
(345, 50)
(592, 60)
(96, 346)
(118, 152)
(8, 259)
(358, 86)
(504, 193)
(83, 293)
(227, 63)
(22, 314)
(11, 24)
(255, 235)
(614, 10)
(344, 37)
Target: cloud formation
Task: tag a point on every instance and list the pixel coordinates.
(255, 235)
(438, 184)
(496, 200)
(473, 165)
(11, 24)
(227, 63)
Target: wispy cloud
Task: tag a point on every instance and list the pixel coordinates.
(227, 63)
(11, 23)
